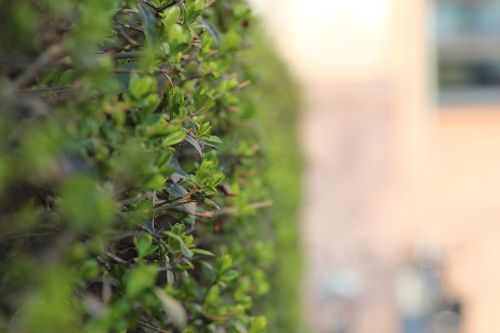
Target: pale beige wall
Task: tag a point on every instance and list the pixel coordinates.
(469, 209)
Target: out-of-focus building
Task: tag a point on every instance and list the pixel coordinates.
(402, 136)
(448, 56)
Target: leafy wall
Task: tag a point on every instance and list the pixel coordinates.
(145, 184)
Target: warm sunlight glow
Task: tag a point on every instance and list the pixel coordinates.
(332, 37)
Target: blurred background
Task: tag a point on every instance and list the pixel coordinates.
(401, 134)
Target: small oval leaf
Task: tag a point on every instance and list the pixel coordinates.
(176, 313)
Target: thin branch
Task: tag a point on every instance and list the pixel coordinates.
(116, 258)
(167, 76)
(226, 211)
(129, 39)
(161, 9)
(149, 4)
(243, 85)
(125, 11)
(226, 190)
(123, 71)
(154, 328)
(52, 53)
(168, 5)
(49, 90)
(131, 27)
(174, 204)
(195, 76)
(128, 55)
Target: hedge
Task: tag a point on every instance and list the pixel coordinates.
(146, 184)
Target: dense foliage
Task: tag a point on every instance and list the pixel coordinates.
(133, 196)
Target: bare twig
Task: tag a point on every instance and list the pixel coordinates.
(116, 258)
(129, 39)
(154, 328)
(131, 27)
(174, 204)
(106, 289)
(227, 210)
(49, 90)
(160, 9)
(125, 11)
(168, 5)
(128, 55)
(196, 76)
(164, 73)
(54, 52)
(243, 85)
(226, 190)
(149, 4)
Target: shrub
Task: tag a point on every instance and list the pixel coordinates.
(132, 170)
(277, 98)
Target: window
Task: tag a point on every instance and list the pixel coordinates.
(467, 33)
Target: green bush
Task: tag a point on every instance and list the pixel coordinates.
(134, 195)
(278, 104)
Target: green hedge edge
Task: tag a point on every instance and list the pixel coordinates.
(149, 178)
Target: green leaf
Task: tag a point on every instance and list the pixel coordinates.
(224, 263)
(229, 275)
(194, 9)
(212, 139)
(90, 269)
(213, 296)
(149, 23)
(173, 308)
(156, 183)
(193, 142)
(258, 325)
(141, 87)
(203, 252)
(144, 245)
(231, 40)
(179, 172)
(186, 251)
(211, 203)
(171, 16)
(176, 35)
(139, 279)
(85, 206)
(182, 245)
(213, 32)
(175, 137)
(180, 192)
(199, 6)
